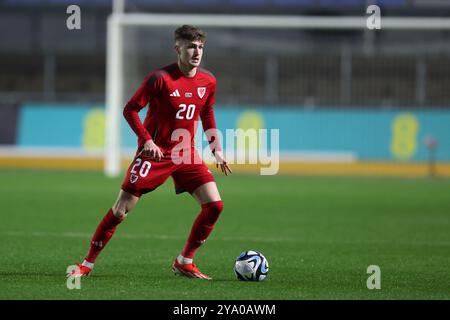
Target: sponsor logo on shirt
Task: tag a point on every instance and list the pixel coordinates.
(188, 95)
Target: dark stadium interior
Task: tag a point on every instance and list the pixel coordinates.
(40, 61)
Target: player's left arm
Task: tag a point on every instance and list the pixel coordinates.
(209, 126)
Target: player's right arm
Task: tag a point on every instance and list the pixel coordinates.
(210, 128)
(152, 150)
(149, 88)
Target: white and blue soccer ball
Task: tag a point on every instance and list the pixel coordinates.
(251, 266)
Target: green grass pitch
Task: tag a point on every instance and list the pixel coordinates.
(319, 234)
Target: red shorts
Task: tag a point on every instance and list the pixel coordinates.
(145, 175)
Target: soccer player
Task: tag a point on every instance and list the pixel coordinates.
(178, 95)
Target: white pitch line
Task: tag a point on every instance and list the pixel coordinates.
(231, 239)
(138, 236)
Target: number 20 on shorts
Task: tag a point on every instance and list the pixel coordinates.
(144, 168)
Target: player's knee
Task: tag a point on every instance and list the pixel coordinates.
(217, 207)
(119, 212)
(213, 210)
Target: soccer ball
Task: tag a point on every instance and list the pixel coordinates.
(251, 266)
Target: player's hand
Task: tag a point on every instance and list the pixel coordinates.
(151, 150)
(222, 163)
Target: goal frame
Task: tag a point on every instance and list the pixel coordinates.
(114, 50)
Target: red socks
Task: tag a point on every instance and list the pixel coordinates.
(104, 232)
(200, 231)
(202, 227)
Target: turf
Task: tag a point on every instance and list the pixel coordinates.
(319, 234)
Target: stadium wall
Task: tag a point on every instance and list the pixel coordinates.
(325, 141)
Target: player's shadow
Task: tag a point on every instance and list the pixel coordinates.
(94, 276)
(223, 280)
(34, 273)
(147, 278)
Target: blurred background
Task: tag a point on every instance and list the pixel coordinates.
(346, 101)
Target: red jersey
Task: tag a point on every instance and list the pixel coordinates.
(176, 102)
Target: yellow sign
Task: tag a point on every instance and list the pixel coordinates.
(405, 129)
(94, 129)
(250, 122)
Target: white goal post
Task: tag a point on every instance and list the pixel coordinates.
(114, 50)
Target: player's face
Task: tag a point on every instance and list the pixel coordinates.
(190, 52)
